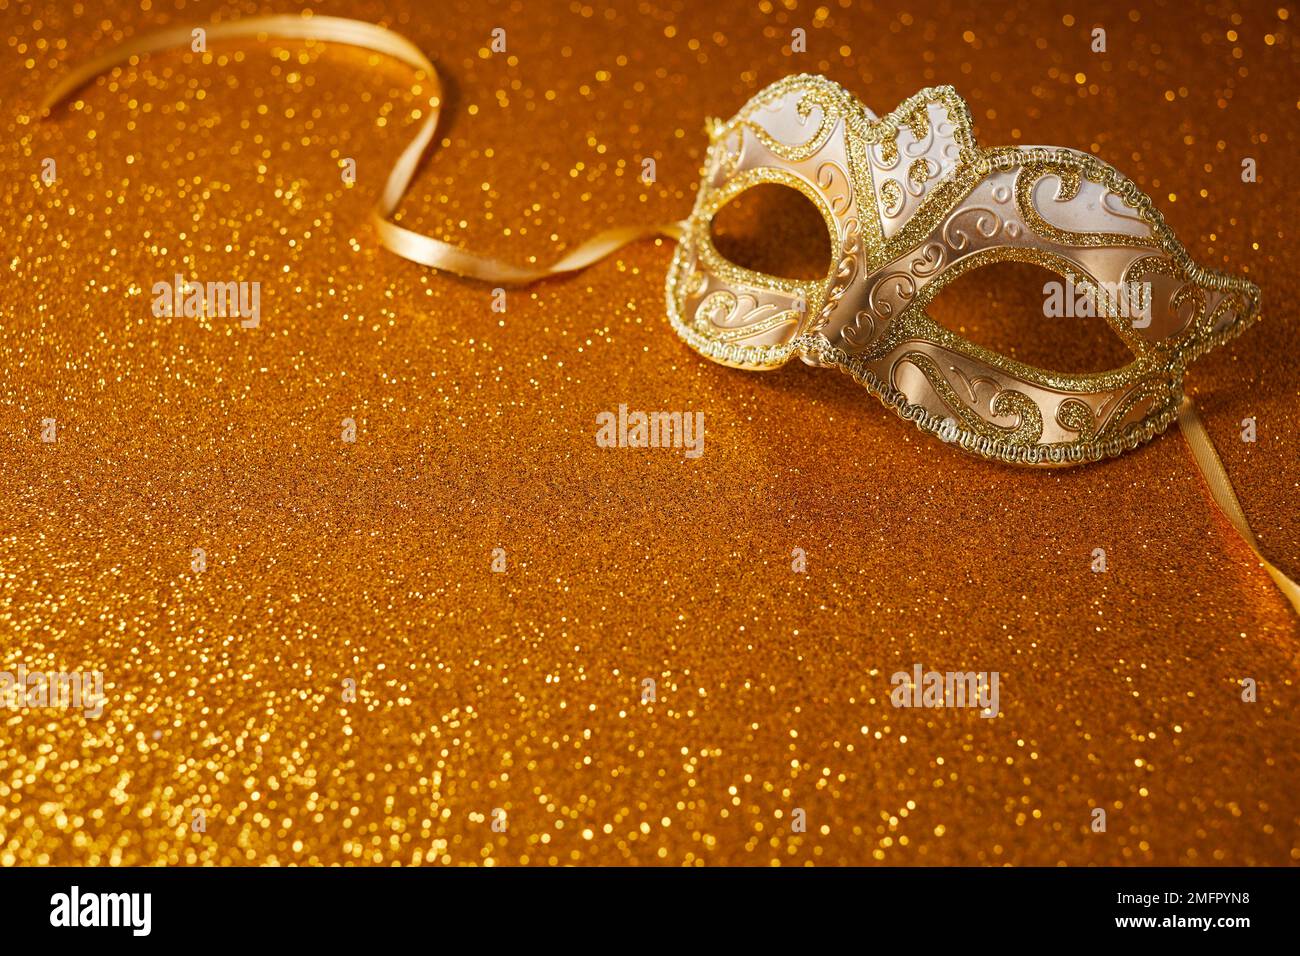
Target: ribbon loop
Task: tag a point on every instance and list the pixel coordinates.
(406, 243)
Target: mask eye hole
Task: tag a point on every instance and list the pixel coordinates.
(774, 230)
(1003, 307)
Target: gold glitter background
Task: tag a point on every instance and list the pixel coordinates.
(330, 561)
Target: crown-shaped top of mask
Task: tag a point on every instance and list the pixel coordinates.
(911, 202)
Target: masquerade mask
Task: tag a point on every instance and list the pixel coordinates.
(911, 203)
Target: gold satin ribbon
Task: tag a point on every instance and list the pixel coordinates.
(369, 36)
(1216, 477)
(448, 258)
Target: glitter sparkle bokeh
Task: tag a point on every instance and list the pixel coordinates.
(371, 561)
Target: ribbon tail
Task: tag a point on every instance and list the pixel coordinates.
(445, 257)
(1216, 477)
(406, 243)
